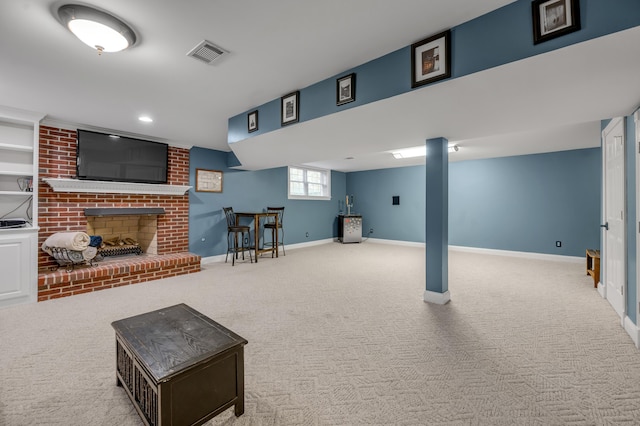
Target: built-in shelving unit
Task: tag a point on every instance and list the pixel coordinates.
(19, 133)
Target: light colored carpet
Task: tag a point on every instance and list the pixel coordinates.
(339, 335)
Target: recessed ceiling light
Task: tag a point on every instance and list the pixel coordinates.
(145, 119)
(418, 151)
(96, 28)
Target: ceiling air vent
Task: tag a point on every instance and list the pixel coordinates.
(206, 52)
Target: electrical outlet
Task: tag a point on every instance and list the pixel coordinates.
(558, 243)
(371, 230)
(307, 235)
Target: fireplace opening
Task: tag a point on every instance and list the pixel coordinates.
(119, 246)
(125, 234)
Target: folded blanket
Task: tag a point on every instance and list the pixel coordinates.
(74, 256)
(70, 240)
(89, 253)
(96, 241)
(47, 249)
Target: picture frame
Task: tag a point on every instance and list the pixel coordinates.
(208, 180)
(252, 121)
(554, 18)
(431, 59)
(346, 89)
(290, 108)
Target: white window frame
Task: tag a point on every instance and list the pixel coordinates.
(325, 196)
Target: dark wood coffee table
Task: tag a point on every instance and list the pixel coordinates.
(178, 366)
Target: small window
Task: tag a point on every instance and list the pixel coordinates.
(309, 184)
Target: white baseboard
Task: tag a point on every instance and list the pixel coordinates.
(540, 256)
(221, 257)
(310, 243)
(632, 330)
(394, 242)
(437, 298)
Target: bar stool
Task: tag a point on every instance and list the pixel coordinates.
(235, 229)
(270, 223)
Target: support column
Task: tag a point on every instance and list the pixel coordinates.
(437, 222)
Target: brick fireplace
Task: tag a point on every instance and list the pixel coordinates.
(65, 211)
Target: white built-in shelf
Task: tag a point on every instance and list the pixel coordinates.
(27, 193)
(101, 187)
(16, 169)
(15, 147)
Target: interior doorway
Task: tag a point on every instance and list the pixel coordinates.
(613, 279)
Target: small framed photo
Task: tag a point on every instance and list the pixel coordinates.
(554, 18)
(346, 89)
(289, 108)
(252, 121)
(431, 59)
(208, 180)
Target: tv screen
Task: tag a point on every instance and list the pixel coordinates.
(107, 157)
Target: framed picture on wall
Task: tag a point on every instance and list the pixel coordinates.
(554, 18)
(431, 59)
(346, 89)
(252, 121)
(289, 108)
(208, 180)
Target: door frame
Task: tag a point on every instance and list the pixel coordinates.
(602, 288)
(634, 329)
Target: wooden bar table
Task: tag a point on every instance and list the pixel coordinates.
(179, 367)
(256, 228)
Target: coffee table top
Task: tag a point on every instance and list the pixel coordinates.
(171, 339)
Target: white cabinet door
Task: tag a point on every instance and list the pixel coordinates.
(18, 266)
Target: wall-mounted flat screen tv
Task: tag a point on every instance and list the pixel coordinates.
(101, 156)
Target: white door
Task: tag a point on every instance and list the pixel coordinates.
(614, 255)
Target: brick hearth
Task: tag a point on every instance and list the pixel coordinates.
(64, 211)
(115, 273)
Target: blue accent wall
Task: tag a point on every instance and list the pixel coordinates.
(374, 191)
(527, 203)
(502, 36)
(523, 203)
(254, 191)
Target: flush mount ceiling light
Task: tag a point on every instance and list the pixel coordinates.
(97, 29)
(418, 151)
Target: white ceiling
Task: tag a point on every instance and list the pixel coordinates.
(546, 103)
